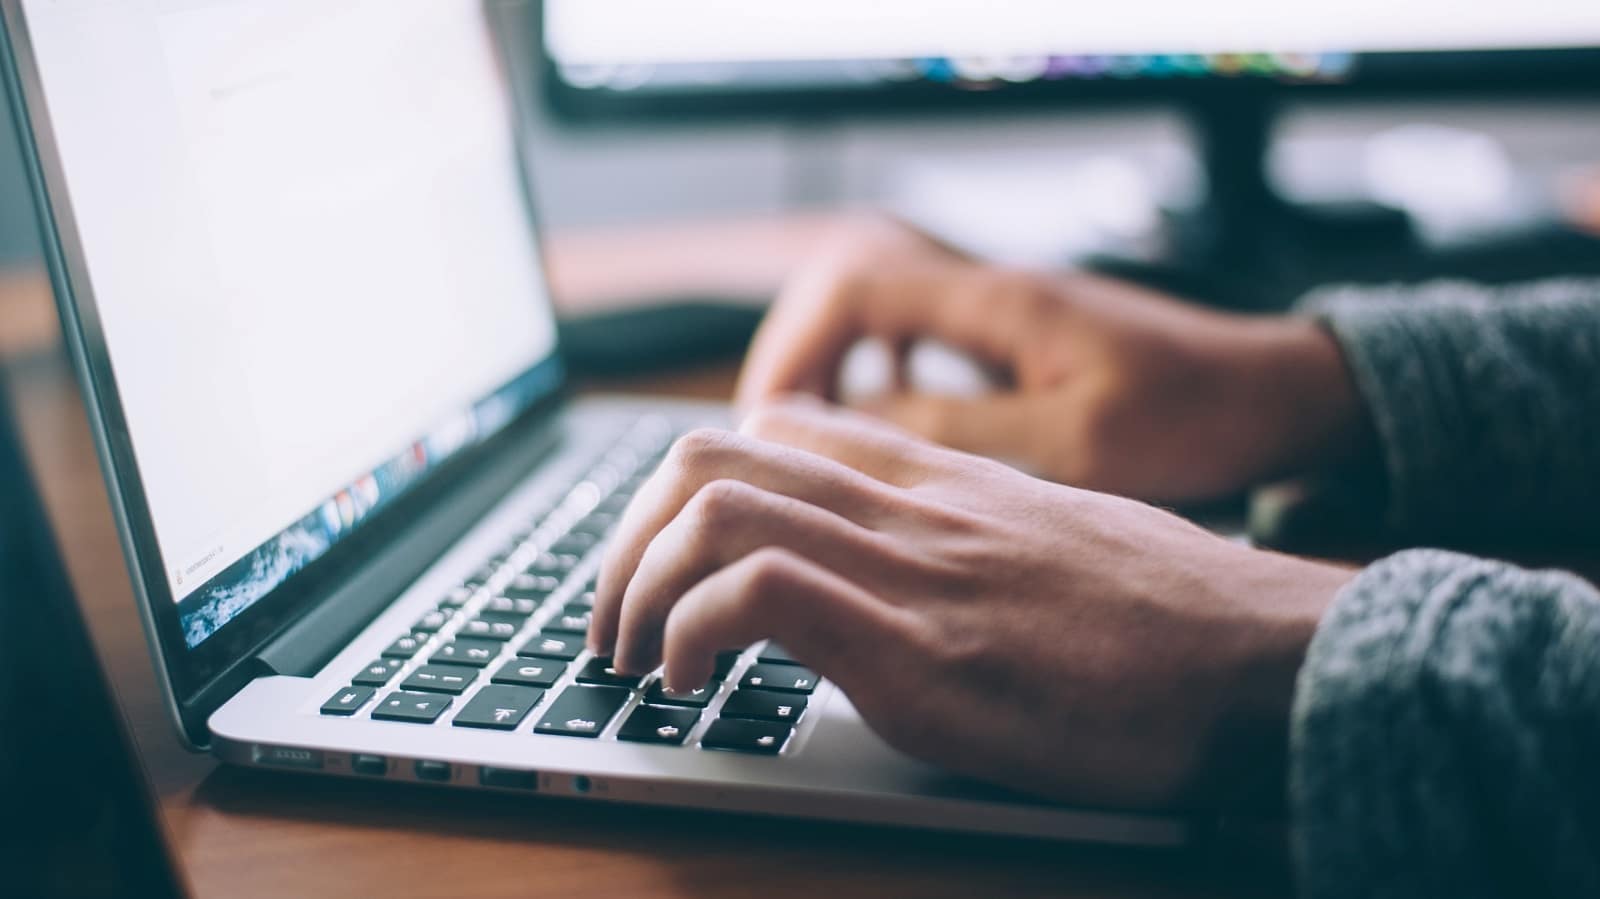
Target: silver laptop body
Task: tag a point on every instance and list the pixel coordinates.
(292, 251)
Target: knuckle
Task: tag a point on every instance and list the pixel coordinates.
(699, 449)
(769, 418)
(767, 573)
(720, 504)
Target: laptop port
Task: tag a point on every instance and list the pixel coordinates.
(427, 770)
(372, 765)
(508, 779)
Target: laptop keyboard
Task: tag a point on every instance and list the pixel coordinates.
(504, 650)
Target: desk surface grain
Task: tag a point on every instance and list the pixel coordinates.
(246, 833)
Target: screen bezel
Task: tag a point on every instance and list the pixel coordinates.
(1376, 76)
(195, 680)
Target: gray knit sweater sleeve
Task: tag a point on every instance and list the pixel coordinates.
(1445, 739)
(1486, 401)
(1446, 730)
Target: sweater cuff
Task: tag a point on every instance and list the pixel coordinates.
(1432, 736)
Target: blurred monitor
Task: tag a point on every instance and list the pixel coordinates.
(636, 57)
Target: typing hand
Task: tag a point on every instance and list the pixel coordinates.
(1047, 638)
(1106, 385)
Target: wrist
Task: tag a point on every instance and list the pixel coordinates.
(1246, 761)
(1294, 382)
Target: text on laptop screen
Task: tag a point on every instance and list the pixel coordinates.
(306, 233)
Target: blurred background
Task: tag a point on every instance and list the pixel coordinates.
(625, 149)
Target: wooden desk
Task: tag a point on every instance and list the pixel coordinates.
(244, 833)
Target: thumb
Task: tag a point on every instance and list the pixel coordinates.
(1007, 426)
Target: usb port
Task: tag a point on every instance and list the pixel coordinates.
(508, 778)
(373, 765)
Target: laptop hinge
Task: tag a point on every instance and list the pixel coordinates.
(304, 647)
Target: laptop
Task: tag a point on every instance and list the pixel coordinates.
(91, 826)
(293, 251)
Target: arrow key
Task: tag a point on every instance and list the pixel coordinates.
(698, 698)
(499, 707)
(651, 724)
(418, 708)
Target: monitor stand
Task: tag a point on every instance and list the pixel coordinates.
(1247, 247)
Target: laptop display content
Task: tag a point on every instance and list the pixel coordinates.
(304, 202)
(85, 821)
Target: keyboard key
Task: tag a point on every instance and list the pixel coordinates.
(377, 673)
(505, 605)
(725, 662)
(347, 701)
(773, 654)
(498, 707)
(764, 705)
(785, 678)
(572, 620)
(457, 598)
(598, 670)
(575, 544)
(651, 724)
(532, 586)
(584, 600)
(418, 708)
(765, 737)
(582, 711)
(596, 524)
(552, 646)
(467, 651)
(452, 679)
(406, 647)
(489, 629)
(431, 621)
(697, 698)
(552, 563)
(529, 672)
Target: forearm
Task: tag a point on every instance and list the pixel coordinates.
(1445, 727)
(1485, 403)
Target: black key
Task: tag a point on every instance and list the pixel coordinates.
(598, 670)
(467, 651)
(575, 544)
(785, 678)
(725, 662)
(431, 621)
(532, 586)
(650, 724)
(457, 598)
(505, 605)
(764, 705)
(697, 698)
(582, 711)
(489, 629)
(452, 679)
(573, 619)
(377, 673)
(498, 707)
(584, 600)
(553, 563)
(419, 708)
(406, 647)
(773, 654)
(529, 672)
(766, 737)
(596, 524)
(552, 646)
(485, 574)
(346, 701)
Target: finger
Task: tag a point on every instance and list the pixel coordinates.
(815, 321)
(864, 443)
(999, 425)
(724, 522)
(697, 459)
(843, 632)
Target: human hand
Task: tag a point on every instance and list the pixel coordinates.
(1107, 385)
(1047, 638)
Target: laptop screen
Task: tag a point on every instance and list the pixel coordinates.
(306, 232)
